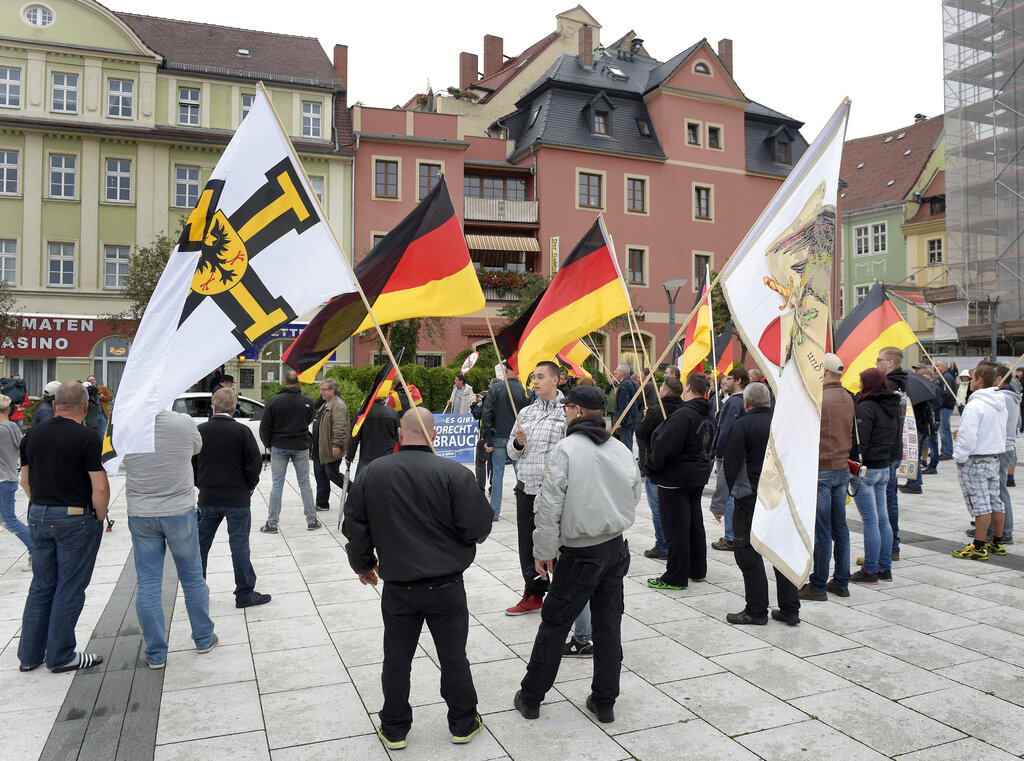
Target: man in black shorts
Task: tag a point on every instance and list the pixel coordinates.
(68, 494)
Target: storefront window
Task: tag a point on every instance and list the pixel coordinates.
(109, 359)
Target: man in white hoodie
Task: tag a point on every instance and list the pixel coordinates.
(979, 444)
(587, 500)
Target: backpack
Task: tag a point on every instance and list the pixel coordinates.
(15, 390)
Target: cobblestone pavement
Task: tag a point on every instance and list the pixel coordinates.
(929, 666)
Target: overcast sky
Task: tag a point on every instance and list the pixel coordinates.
(799, 57)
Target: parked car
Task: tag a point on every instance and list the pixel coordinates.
(196, 404)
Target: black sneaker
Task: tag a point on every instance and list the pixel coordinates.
(929, 472)
(604, 715)
(863, 577)
(266, 528)
(576, 649)
(909, 489)
(884, 574)
(528, 712)
(1010, 482)
(791, 620)
(743, 618)
(314, 525)
(807, 592)
(831, 587)
(322, 508)
(390, 743)
(256, 599)
(655, 554)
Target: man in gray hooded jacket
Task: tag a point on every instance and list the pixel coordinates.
(587, 500)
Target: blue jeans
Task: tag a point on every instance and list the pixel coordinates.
(652, 500)
(63, 557)
(101, 424)
(892, 507)
(722, 502)
(150, 538)
(7, 491)
(239, 520)
(279, 459)
(830, 530)
(871, 503)
(582, 628)
(626, 435)
(497, 472)
(945, 432)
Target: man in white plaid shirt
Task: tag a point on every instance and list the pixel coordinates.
(541, 426)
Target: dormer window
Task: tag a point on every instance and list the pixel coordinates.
(644, 127)
(782, 155)
(601, 126)
(702, 68)
(533, 117)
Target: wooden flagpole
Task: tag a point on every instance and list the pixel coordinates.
(711, 325)
(501, 361)
(348, 265)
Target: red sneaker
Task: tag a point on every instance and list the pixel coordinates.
(529, 604)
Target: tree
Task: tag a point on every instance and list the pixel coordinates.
(526, 295)
(406, 333)
(10, 325)
(145, 266)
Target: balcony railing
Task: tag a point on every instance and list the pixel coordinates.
(500, 210)
(499, 294)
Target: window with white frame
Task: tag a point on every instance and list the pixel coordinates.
(311, 118)
(861, 241)
(61, 258)
(860, 292)
(37, 15)
(188, 106)
(186, 186)
(9, 261)
(120, 98)
(10, 87)
(636, 260)
(429, 178)
(119, 181)
(64, 94)
(115, 266)
(63, 175)
(247, 99)
(8, 172)
(318, 187)
(935, 251)
(879, 238)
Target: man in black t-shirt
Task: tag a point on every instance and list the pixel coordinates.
(68, 494)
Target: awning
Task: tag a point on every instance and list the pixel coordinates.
(502, 243)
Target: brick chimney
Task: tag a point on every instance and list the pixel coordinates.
(493, 54)
(725, 54)
(341, 62)
(586, 54)
(469, 70)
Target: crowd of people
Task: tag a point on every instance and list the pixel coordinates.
(413, 519)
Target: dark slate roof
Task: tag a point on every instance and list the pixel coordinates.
(763, 126)
(601, 76)
(755, 109)
(564, 118)
(190, 46)
(659, 74)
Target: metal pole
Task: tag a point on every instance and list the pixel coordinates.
(993, 310)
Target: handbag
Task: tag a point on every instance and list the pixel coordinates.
(857, 467)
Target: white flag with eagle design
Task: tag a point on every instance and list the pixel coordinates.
(255, 253)
(778, 285)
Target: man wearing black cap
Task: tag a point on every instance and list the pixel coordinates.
(587, 500)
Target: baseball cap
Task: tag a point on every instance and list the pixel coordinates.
(51, 388)
(833, 364)
(587, 397)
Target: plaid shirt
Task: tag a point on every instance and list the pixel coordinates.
(544, 423)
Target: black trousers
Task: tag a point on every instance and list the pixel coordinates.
(750, 562)
(524, 522)
(239, 520)
(404, 608)
(583, 574)
(683, 524)
(325, 475)
(483, 466)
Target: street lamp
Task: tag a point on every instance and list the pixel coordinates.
(671, 291)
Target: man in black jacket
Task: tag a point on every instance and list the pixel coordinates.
(284, 430)
(744, 456)
(722, 503)
(671, 400)
(426, 519)
(227, 472)
(375, 438)
(679, 463)
(498, 420)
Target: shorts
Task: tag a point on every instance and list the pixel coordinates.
(979, 482)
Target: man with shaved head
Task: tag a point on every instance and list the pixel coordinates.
(421, 533)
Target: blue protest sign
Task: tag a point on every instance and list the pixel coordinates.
(456, 437)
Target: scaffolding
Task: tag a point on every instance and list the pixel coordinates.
(983, 52)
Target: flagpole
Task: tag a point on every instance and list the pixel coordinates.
(925, 351)
(597, 356)
(497, 351)
(348, 265)
(711, 325)
(650, 367)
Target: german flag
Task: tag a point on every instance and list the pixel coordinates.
(573, 356)
(381, 389)
(584, 295)
(697, 345)
(725, 349)
(874, 324)
(422, 268)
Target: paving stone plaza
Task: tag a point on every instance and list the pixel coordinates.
(927, 667)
